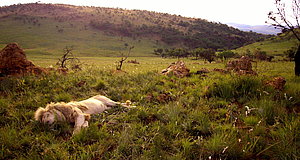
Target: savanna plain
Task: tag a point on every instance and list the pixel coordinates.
(208, 115)
(217, 116)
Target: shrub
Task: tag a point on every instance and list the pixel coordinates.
(226, 54)
(259, 54)
(268, 110)
(216, 144)
(290, 53)
(286, 134)
(198, 124)
(4, 112)
(101, 85)
(91, 135)
(236, 88)
(62, 97)
(262, 55)
(251, 120)
(10, 85)
(188, 148)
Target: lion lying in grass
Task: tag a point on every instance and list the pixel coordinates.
(76, 112)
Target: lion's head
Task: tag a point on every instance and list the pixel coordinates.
(44, 116)
(60, 112)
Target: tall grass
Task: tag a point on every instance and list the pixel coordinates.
(175, 118)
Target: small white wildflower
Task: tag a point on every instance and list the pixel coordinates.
(225, 149)
(267, 93)
(258, 123)
(285, 96)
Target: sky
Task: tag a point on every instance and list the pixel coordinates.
(250, 12)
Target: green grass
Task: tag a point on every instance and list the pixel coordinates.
(45, 40)
(146, 63)
(273, 46)
(197, 118)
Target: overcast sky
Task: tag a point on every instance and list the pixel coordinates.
(252, 12)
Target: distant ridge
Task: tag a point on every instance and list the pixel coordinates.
(264, 29)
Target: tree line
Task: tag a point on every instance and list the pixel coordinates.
(210, 55)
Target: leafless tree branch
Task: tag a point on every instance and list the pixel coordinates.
(68, 58)
(120, 62)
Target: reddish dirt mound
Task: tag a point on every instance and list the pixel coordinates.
(220, 70)
(133, 61)
(241, 66)
(179, 69)
(13, 61)
(203, 71)
(277, 83)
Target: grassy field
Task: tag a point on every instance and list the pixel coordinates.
(97, 29)
(196, 117)
(146, 63)
(211, 116)
(46, 40)
(273, 46)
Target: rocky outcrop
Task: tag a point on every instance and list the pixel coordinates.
(178, 69)
(242, 66)
(277, 83)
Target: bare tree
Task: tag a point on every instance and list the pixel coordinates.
(281, 19)
(68, 59)
(120, 62)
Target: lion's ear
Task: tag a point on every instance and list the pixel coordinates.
(39, 114)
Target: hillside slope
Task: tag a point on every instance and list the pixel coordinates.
(273, 46)
(47, 28)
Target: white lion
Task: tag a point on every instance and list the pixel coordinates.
(76, 112)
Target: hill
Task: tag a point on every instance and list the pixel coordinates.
(276, 45)
(93, 31)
